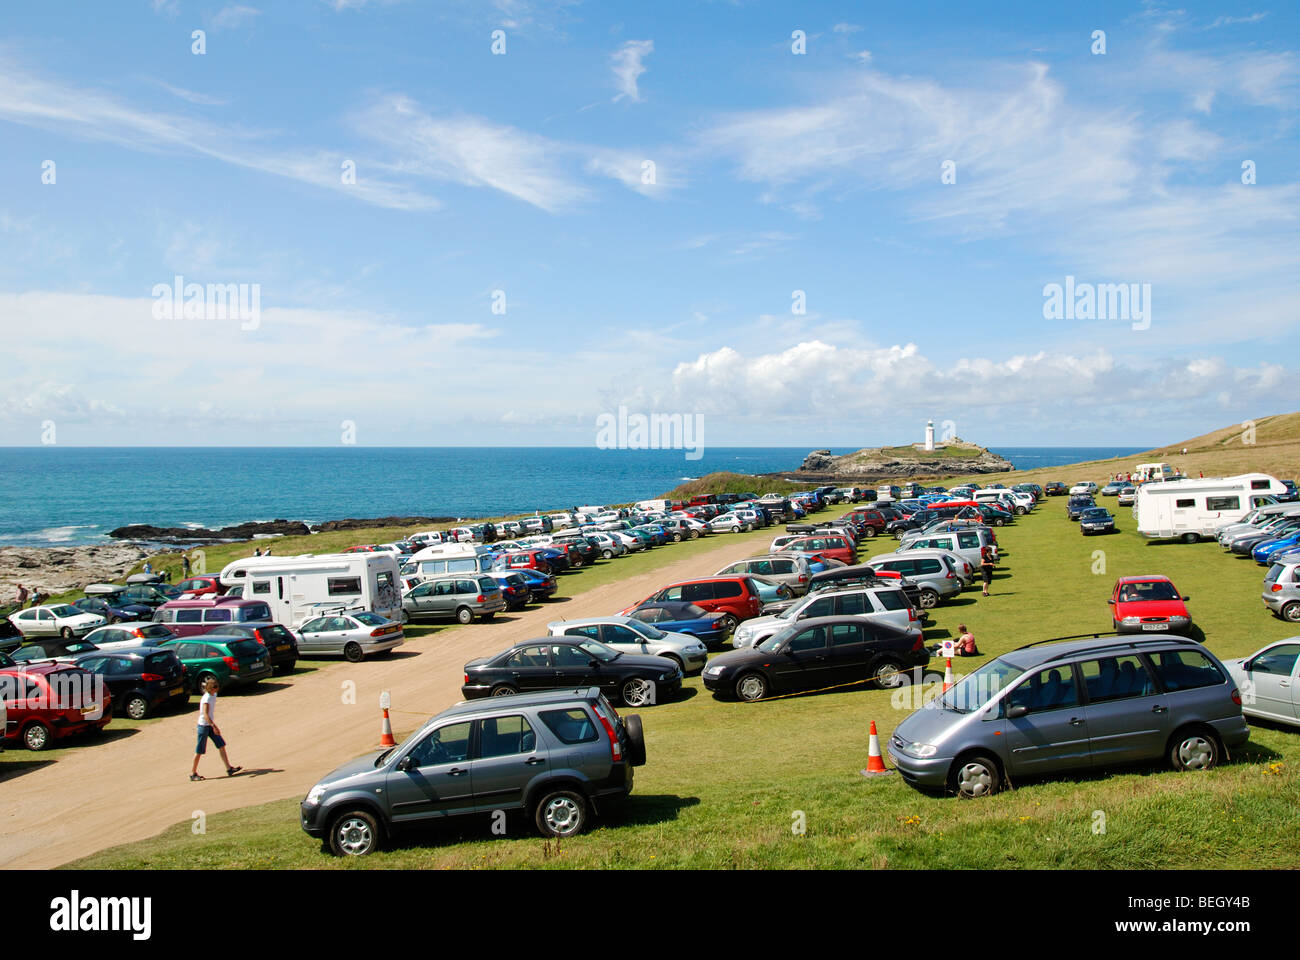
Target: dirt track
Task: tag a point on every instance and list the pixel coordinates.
(285, 733)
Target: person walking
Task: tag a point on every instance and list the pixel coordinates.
(148, 567)
(986, 567)
(185, 566)
(208, 730)
(22, 596)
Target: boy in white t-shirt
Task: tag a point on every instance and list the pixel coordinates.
(208, 730)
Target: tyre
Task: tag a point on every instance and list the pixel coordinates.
(1291, 612)
(635, 740)
(681, 667)
(66, 633)
(1000, 522)
(505, 690)
(1191, 537)
(137, 707)
(464, 615)
(728, 623)
(406, 617)
(890, 675)
(608, 554)
(1020, 511)
(201, 679)
(561, 813)
(354, 834)
(695, 534)
(677, 538)
(285, 669)
(1194, 748)
(637, 692)
(751, 686)
(871, 532)
(36, 737)
(974, 776)
(929, 598)
(352, 650)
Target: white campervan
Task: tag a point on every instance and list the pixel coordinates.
(1192, 509)
(1148, 472)
(295, 586)
(450, 558)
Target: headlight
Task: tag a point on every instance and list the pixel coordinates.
(313, 797)
(1179, 619)
(1131, 620)
(921, 750)
(713, 671)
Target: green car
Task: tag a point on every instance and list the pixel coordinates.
(232, 660)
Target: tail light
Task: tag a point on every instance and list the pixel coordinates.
(378, 631)
(911, 614)
(615, 748)
(467, 679)
(919, 645)
(232, 663)
(152, 677)
(1236, 696)
(1276, 588)
(802, 578)
(257, 635)
(479, 598)
(137, 632)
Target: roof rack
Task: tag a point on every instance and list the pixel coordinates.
(1166, 638)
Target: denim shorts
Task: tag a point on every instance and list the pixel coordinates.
(205, 731)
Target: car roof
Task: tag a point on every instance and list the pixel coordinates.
(1032, 656)
(541, 698)
(616, 618)
(1144, 578)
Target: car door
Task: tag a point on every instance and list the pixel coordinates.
(530, 667)
(803, 662)
(313, 636)
(45, 624)
(1272, 674)
(439, 781)
(1128, 716)
(508, 759)
(848, 652)
(1053, 732)
(622, 638)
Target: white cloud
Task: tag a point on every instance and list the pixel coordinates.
(628, 67)
(230, 18)
(846, 28)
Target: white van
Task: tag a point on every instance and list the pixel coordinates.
(443, 558)
(1192, 509)
(1147, 472)
(292, 586)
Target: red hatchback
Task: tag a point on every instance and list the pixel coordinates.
(733, 597)
(824, 545)
(1148, 604)
(45, 702)
(204, 585)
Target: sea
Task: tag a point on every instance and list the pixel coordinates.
(73, 496)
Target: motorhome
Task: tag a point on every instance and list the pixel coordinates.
(290, 585)
(441, 558)
(1192, 509)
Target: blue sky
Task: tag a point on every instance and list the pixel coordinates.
(524, 173)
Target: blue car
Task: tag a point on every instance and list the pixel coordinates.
(676, 616)
(114, 610)
(1264, 551)
(541, 585)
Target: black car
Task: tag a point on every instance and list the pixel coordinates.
(915, 522)
(280, 643)
(1292, 495)
(50, 648)
(816, 653)
(1096, 520)
(150, 595)
(141, 680)
(114, 612)
(588, 550)
(6, 660)
(1078, 503)
(1055, 488)
(553, 662)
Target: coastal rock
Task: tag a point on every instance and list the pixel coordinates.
(956, 458)
(353, 523)
(240, 531)
(56, 569)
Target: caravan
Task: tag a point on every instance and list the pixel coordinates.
(443, 558)
(295, 587)
(1192, 509)
(1153, 472)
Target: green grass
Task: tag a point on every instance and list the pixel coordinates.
(913, 453)
(725, 781)
(733, 483)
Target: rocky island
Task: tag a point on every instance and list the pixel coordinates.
(953, 457)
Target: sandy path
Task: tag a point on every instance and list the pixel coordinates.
(287, 734)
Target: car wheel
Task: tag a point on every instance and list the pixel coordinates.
(677, 538)
(464, 615)
(352, 650)
(635, 740)
(752, 686)
(66, 633)
(1190, 537)
(999, 522)
(871, 532)
(1291, 612)
(201, 679)
(975, 776)
(637, 692)
(354, 834)
(608, 554)
(137, 708)
(929, 598)
(728, 623)
(898, 534)
(1020, 511)
(562, 813)
(1193, 749)
(505, 690)
(695, 534)
(890, 675)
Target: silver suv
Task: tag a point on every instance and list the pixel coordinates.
(878, 604)
(463, 596)
(555, 756)
(1282, 587)
(935, 574)
(792, 569)
(1076, 705)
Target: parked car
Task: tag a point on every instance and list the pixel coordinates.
(541, 586)
(59, 619)
(730, 523)
(1112, 489)
(187, 618)
(113, 612)
(1282, 588)
(631, 635)
(791, 570)
(1096, 520)
(50, 649)
(232, 661)
(1127, 495)
(202, 585)
(685, 618)
(132, 633)
(934, 575)
(1084, 487)
(734, 597)
(1055, 488)
(818, 652)
(279, 642)
(1270, 688)
(463, 597)
(552, 662)
(1073, 706)
(142, 680)
(1146, 604)
(835, 546)
(45, 702)
(514, 589)
(351, 634)
(1078, 503)
(555, 756)
(879, 604)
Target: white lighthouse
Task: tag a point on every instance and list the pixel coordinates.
(929, 436)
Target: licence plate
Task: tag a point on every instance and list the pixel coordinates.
(282, 648)
(177, 692)
(258, 664)
(1155, 626)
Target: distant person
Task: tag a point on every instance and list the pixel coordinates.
(257, 552)
(148, 567)
(185, 566)
(22, 595)
(208, 730)
(267, 552)
(986, 567)
(37, 597)
(1184, 451)
(1201, 474)
(966, 642)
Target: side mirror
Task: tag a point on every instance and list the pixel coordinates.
(1016, 712)
(1185, 599)
(1111, 602)
(406, 764)
(594, 663)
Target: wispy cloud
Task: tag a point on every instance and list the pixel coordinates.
(627, 64)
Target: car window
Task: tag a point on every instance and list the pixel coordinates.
(814, 638)
(566, 655)
(1116, 678)
(854, 603)
(1187, 669)
(189, 615)
(892, 599)
(672, 593)
(617, 633)
(928, 565)
(696, 591)
(821, 607)
(591, 630)
(219, 615)
(571, 726)
(449, 744)
(1049, 689)
(315, 625)
(505, 736)
(843, 634)
(1279, 660)
(533, 656)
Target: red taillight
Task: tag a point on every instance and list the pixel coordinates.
(1276, 588)
(152, 677)
(911, 614)
(479, 599)
(467, 679)
(257, 634)
(378, 631)
(802, 578)
(1236, 697)
(232, 663)
(615, 748)
(919, 645)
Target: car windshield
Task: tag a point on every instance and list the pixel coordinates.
(369, 619)
(1095, 513)
(599, 650)
(646, 630)
(773, 643)
(154, 631)
(973, 691)
(65, 610)
(1155, 590)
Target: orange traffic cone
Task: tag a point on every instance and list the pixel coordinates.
(386, 732)
(948, 679)
(875, 762)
